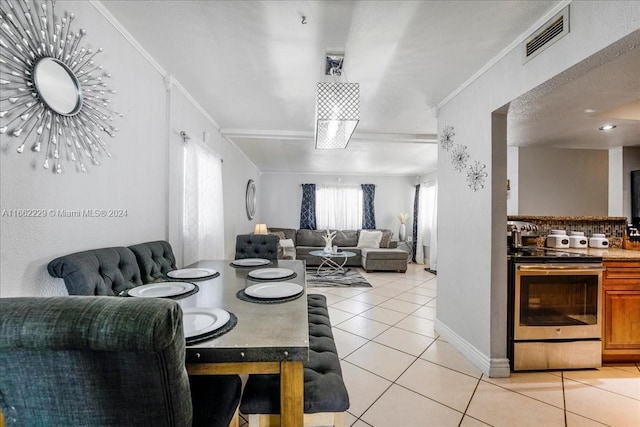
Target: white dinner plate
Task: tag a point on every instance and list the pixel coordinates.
(250, 262)
(202, 320)
(273, 290)
(270, 273)
(161, 290)
(191, 273)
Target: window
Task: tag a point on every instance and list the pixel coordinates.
(339, 207)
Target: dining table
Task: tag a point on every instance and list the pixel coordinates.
(269, 337)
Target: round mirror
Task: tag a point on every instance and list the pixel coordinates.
(250, 200)
(57, 86)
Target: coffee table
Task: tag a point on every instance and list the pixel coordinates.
(332, 263)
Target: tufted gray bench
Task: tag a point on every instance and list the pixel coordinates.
(325, 395)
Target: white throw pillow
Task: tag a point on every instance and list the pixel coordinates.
(369, 239)
(286, 243)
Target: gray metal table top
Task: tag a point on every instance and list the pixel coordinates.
(265, 332)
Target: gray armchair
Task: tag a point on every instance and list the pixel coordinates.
(100, 361)
(257, 246)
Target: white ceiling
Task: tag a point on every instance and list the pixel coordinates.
(253, 66)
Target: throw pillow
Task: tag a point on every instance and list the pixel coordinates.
(286, 243)
(369, 239)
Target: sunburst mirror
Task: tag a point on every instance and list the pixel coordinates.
(53, 96)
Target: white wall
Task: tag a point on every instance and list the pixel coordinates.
(472, 276)
(555, 181)
(136, 178)
(280, 197)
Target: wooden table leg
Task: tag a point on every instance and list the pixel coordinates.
(291, 394)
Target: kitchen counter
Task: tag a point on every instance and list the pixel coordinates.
(609, 254)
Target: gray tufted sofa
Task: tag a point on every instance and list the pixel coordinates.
(111, 271)
(386, 258)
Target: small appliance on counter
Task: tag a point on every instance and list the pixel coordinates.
(598, 240)
(520, 234)
(577, 240)
(558, 239)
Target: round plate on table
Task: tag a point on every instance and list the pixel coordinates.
(191, 273)
(161, 290)
(250, 262)
(272, 290)
(199, 321)
(270, 273)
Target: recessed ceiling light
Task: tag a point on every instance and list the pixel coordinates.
(607, 127)
(589, 111)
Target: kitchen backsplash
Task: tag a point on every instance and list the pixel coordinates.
(613, 227)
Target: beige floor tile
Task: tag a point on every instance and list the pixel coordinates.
(346, 342)
(352, 306)
(414, 298)
(423, 290)
(574, 420)
(418, 325)
(369, 298)
(401, 306)
(537, 385)
(444, 354)
(381, 360)
(626, 367)
(338, 316)
(360, 423)
(377, 281)
(426, 312)
(363, 387)
(500, 407)
(431, 303)
(441, 384)
(346, 292)
(401, 407)
(601, 405)
(350, 419)
(383, 315)
(385, 291)
(611, 379)
(406, 341)
(363, 327)
(468, 421)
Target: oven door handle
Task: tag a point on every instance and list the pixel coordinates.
(562, 267)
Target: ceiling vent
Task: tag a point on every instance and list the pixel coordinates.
(552, 31)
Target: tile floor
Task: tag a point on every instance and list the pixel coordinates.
(399, 373)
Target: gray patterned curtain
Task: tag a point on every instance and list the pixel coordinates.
(368, 210)
(308, 208)
(416, 204)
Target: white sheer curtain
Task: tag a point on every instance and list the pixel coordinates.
(203, 216)
(339, 207)
(428, 225)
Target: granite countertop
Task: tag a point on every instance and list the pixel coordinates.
(610, 254)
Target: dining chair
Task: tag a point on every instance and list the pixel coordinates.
(257, 246)
(155, 259)
(101, 361)
(104, 271)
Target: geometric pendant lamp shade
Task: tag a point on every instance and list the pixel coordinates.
(337, 113)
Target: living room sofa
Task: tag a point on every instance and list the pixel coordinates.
(385, 258)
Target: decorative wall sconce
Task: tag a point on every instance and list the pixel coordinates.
(53, 94)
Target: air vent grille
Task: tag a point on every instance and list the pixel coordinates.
(549, 33)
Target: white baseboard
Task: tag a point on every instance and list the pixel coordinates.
(494, 368)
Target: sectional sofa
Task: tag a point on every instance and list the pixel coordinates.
(386, 257)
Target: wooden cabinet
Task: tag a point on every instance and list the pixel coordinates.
(621, 311)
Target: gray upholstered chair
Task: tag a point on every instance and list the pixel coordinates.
(106, 271)
(155, 259)
(98, 361)
(257, 246)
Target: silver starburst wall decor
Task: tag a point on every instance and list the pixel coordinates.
(54, 97)
(459, 157)
(446, 137)
(476, 175)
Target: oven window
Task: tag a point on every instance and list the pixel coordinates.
(558, 300)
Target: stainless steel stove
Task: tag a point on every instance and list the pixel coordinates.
(554, 309)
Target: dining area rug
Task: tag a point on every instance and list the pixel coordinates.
(352, 278)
